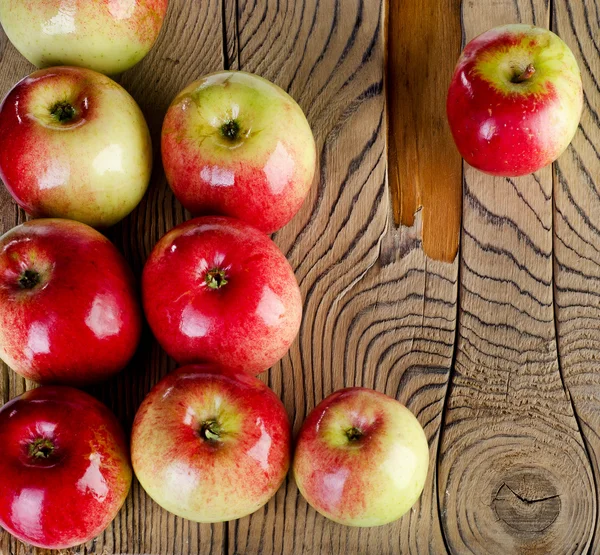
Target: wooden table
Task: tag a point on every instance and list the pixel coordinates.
(494, 346)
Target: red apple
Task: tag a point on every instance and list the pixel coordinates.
(236, 144)
(216, 289)
(68, 308)
(210, 444)
(515, 100)
(106, 35)
(361, 458)
(74, 144)
(64, 469)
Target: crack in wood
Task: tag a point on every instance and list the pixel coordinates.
(527, 514)
(522, 497)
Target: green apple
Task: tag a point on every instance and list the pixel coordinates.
(361, 458)
(74, 144)
(109, 36)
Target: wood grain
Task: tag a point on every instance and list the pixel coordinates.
(514, 475)
(424, 167)
(577, 234)
(378, 313)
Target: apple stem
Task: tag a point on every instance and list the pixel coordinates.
(353, 434)
(41, 448)
(529, 71)
(29, 279)
(230, 129)
(215, 278)
(63, 112)
(210, 430)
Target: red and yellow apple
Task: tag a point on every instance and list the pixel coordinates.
(361, 458)
(216, 289)
(211, 445)
(64, 468)
(515, 100)
(68, 307)
(236, 144)
(109, 36)
(74, 144)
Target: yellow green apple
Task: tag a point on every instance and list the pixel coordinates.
(109, 36)
(237, 145)
(361, 458)
(210, 444)
(74, 144)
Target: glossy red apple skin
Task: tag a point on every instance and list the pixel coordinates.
(73, 494)
(511, 129)
(247, 324)
(261, 176)
(82, 322)
(224, 478)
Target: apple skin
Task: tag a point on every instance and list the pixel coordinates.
(71, 495)
(511, 129)
(109, 36)
(368, 481)
(94, 168)
(231, 474)
(260, 173)
(249, 322)
(81, 322)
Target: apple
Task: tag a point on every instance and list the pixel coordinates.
(216, 289)
(74, 144)
(361, 458)
(515, 100)
(65, 467)
(108, 35)
(68, 307)
(210, 444)
(236, 144)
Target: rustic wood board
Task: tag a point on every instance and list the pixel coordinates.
(494, 351)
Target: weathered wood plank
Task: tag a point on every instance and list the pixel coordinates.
(190, 45)
(330, 58)
(425, 181)
(514, 475)
(378, 313)
(577, 233)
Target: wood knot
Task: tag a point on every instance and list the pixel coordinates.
(527, 502)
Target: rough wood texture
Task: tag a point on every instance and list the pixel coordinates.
(377, 313)
(514, 474)
(515, 468)
(424, 167)
(577, 235)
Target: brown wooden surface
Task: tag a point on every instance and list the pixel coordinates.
(512, 323)
(514, 470)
